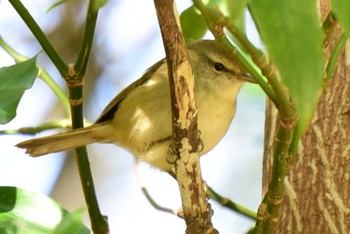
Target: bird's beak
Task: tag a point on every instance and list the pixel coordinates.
(246, 77)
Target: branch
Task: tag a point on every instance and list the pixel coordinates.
(73, 75)
(184, 150)
(74, 81)
(40, 36)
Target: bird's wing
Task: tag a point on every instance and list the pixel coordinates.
(112, 107)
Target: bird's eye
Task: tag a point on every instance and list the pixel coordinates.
(219, 67)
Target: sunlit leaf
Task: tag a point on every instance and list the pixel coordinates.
(291, 32)
(14, 80)
(341, 9)
(193, 24)
(25, 212)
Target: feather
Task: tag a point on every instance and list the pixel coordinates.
(62, 141)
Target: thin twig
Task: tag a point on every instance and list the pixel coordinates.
(226, 202)
(42, 127)
(147, 194)
(334, 57)
(88, 36)
(155, 204)
(40, 36)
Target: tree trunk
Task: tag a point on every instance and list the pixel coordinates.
(318, 185)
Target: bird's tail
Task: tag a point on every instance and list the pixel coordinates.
(62, 141)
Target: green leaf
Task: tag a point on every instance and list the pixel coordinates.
(14, 80)
(71, 223)
(193, 24)
(292, 34)
(341, 9)
(24, 212)
(56, 4)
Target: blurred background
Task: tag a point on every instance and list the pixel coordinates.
(127, 42)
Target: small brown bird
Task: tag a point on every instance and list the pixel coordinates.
(139, 118)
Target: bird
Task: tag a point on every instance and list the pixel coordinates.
(139, 117)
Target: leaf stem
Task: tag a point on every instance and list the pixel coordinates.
(42, 127)
(40, 36)
(230, 204)
(88, 36)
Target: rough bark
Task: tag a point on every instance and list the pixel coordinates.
(185, 147)
(318, 188)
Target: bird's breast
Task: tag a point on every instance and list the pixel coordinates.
(215, 115)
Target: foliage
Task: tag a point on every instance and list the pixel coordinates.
(14, 81)
(24, 212)
(299, 62)
(191, 16)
